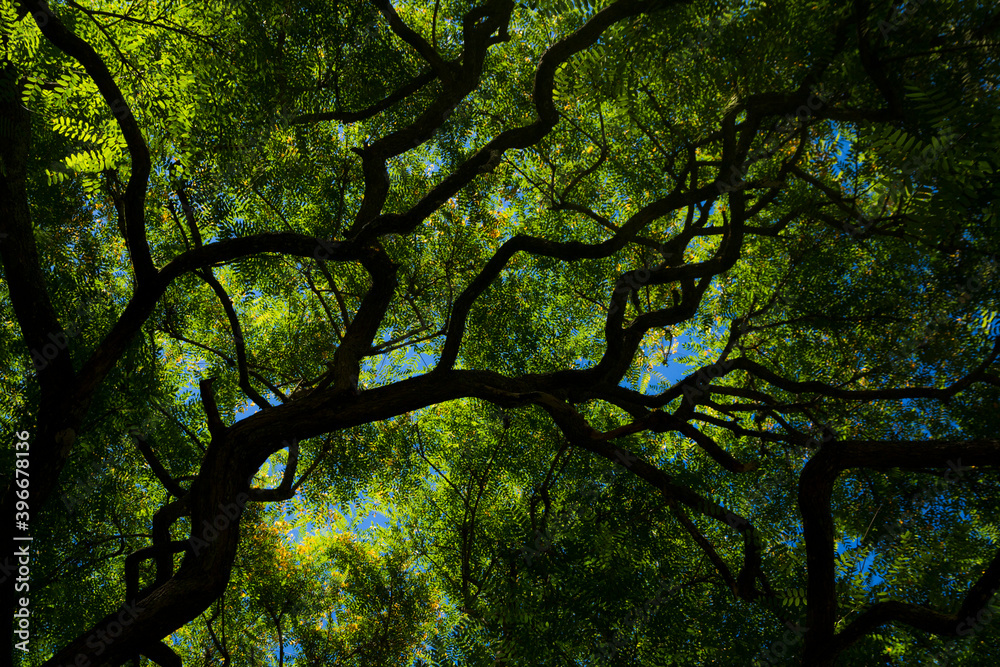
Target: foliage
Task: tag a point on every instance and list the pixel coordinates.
(438, 260)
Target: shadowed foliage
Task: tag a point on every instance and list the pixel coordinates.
(660, 332)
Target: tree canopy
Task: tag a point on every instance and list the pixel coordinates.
(661, 332)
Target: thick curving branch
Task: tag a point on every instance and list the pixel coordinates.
(519, 137)
(36, 316)
(134, 198)
(443, 69)
(238, 341)
(144, 300)
(455, 88)
(815, 490)
(399, 95)
(169, 483)
(580, 434)
(360, 333)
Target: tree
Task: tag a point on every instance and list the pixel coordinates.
(263, 260)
